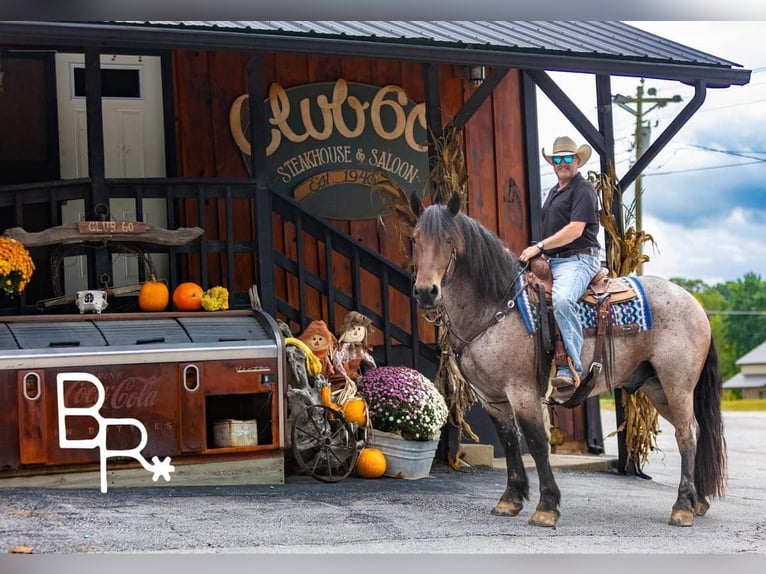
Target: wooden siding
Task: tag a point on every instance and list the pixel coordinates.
(206, 83)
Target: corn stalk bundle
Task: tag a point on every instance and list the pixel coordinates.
(394, 202)
(623, 257)
(448, 176)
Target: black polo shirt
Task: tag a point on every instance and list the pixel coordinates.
(576, 202)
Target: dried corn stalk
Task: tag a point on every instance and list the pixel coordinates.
(624, 252)
(395, 202)
(641, 426)
(623, 257)
(457, 392)
(448, 176)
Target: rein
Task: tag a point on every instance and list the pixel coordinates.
(509, 303)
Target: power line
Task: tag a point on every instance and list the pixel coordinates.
(703, 168)
(747, 155)
(736, 312)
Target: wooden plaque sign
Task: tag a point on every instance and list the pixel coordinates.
(100, 227)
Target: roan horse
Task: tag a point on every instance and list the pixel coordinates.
(466, 274)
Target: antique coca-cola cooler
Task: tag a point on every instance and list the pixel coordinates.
(204, 389)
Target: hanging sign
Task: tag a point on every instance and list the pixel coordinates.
(325, 141)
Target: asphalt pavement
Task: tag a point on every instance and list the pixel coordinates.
(602, 512)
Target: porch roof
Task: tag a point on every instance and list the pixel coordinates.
(596, 47)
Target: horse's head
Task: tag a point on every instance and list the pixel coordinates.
(437, 241)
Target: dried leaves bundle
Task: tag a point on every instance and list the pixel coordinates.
(395, 202)
(459, 394)
(448, 176)
(624, 252)
(623, 257)
(641, 426)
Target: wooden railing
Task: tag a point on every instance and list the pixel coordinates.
(37, 206)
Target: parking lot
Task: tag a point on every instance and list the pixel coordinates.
(603, 513)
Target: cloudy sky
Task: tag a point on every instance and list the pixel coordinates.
(704, 196)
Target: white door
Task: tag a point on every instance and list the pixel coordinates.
(133, 147)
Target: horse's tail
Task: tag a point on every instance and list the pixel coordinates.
(710, 461)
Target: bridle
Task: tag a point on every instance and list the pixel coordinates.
(433, 315)
(440, 317)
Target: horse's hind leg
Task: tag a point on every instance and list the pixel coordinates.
(686, 504)
(681, 416)
(517, 485)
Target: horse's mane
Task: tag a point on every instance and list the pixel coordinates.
(481, 254)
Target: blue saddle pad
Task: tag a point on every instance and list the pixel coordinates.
(633, 312)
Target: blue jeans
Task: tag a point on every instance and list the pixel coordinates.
(571, 276)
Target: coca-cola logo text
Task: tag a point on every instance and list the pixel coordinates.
(129, 393)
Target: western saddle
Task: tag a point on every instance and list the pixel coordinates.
(602, 292)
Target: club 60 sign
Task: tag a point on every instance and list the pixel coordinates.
(326, 139)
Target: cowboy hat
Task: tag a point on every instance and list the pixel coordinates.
(564, 145)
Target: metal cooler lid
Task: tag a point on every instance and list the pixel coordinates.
(6, 338)
(56, 334)
(219, 329)
(143, 332)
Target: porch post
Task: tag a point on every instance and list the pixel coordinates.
(262, 203)
(97, 205)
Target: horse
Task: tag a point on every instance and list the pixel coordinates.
(466, 275)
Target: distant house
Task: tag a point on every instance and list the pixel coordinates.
(751, 379)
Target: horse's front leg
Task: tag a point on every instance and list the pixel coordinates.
(517, 485)
(529, 413)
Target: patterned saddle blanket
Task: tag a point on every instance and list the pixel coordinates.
(627, 317)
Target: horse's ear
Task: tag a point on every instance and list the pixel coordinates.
(454, 204)
(415, 204)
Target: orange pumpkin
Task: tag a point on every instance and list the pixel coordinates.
(354, 411)
(188, 297)
(371, 463)
(153, 296)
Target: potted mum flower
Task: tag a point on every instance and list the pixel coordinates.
(406, 412)
(16, 266)
(402, 400)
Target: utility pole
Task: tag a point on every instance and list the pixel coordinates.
(642, 135)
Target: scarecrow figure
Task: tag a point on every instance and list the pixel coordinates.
(322, 343)
(353, 354)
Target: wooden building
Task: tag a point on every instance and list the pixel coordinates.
(750, 382)
(151, 122)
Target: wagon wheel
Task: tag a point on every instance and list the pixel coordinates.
(324, 443)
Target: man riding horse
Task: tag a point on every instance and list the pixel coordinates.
(570, 244)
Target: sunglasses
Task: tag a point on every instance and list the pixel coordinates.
(565, 158)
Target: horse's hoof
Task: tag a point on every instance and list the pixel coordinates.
(681, 517)
(507, 508)
(547, 518)
(701, 508)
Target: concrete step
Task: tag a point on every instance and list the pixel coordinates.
(483, 455)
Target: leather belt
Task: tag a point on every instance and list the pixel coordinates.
(584, 251)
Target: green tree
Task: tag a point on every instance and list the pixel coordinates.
(693, 286)
(745, 322)
(714, 302)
